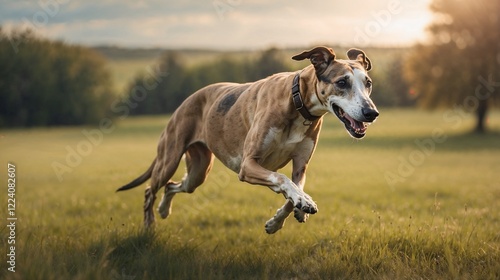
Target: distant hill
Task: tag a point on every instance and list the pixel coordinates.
(118, 53)
(202, 55)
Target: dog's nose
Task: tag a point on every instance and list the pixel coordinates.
(370, 114)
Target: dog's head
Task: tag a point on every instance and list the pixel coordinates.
(344, 87)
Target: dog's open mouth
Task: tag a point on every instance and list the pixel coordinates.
(356, 128)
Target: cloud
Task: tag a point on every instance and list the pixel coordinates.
(226, 24)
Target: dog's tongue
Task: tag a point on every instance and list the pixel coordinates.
(358, 126)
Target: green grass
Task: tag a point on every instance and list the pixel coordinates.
(441, 221)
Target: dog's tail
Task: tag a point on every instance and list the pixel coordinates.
(139, 180)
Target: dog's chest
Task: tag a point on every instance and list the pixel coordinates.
(280, 144)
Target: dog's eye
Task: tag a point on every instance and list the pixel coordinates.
(342, 83)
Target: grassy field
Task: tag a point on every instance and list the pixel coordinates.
(419, 198)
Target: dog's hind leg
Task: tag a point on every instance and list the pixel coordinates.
(199, 160)
(160, 177)
(167, 161)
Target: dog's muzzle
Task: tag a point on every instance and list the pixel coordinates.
(369, 114)
(356, 128)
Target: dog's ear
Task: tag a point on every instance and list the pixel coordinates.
(359, 55)
(320, 57)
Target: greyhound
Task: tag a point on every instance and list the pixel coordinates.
(257, 128)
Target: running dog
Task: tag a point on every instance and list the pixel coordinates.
(257, 128)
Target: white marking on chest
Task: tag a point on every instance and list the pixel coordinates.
(279, 145)
(279, 139)
(234, 163)
(270, 137)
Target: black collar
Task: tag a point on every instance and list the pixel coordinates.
(297, 100)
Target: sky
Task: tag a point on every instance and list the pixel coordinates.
(221, 24)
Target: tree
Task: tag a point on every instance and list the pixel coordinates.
(44, 83)
(460, 67)
(390, 88)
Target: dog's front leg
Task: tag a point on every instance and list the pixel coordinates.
(299, 178)
(254, 173)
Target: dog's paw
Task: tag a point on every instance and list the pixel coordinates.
(165, 208)
(300, 215)
(274, 225)
(306, 204)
